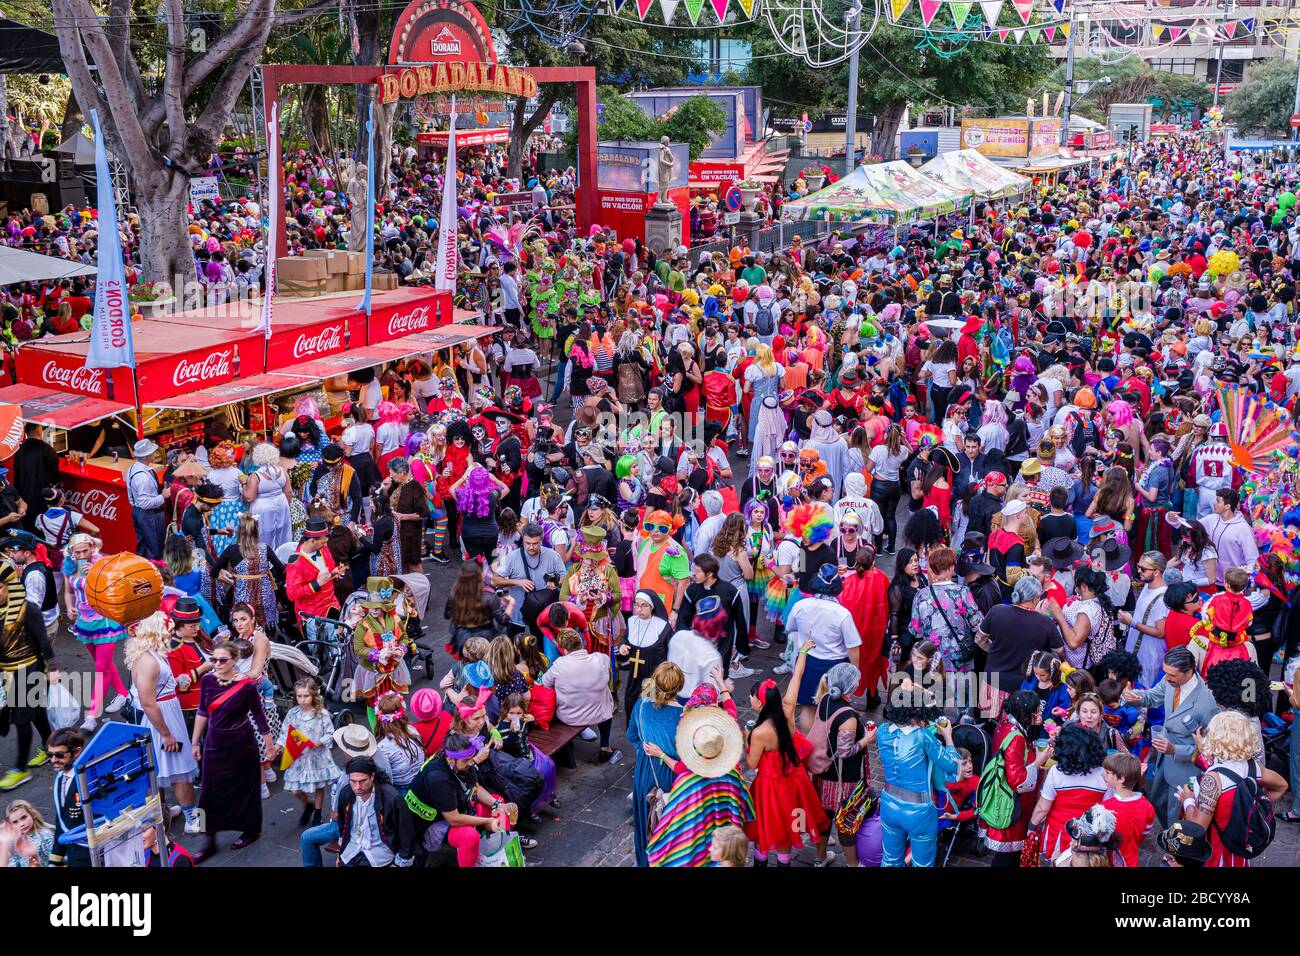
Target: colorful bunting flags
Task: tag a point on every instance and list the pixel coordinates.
(1157, 30)
(1230, 29)
(642, 8)
(669, 7)
(1019, 35)
(898, 6)
(960, 11)
(928, 9)
(1025, 8)
(748, 7)
(1050, 33)
(1002, 34)
(992, 9)
(693, 8)
(719, 7)
(1176, 32)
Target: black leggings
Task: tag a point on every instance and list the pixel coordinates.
(41, 723)
(484, 546)
(886, 494)
(604, 728)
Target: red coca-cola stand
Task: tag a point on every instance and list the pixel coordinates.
(208, 358)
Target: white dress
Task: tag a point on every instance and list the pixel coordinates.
(271, 507)
(178, 767)
(315, 768)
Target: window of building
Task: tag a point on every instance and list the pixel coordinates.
(1184, 66)
(1234, 71)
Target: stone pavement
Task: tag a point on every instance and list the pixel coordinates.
(592, 827)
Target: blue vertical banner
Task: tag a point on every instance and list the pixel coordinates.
(110, 332)
(274, 213)
(370, 210)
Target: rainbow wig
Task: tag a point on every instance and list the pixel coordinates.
(812, 524)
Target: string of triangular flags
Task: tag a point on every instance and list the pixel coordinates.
(668, 8)
(960, 9)
(1228, 30)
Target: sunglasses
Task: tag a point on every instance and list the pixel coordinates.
(789, 455)
(59, 754)
(652, 528)
(222, 660)
(849, 528)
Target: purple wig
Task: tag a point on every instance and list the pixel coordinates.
(474, 498)
(413, 443)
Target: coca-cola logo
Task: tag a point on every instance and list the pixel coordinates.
(79, 379)
(95, 503)
(417, 320)
(213, 366)
(327, 339)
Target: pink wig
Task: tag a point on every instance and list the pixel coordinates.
(389, 413)
(1121, 413)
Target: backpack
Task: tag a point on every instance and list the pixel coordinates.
(631, 383)
(819, 761)
(997, 804)
(580, 486)
(1251, 827)
(764, 321)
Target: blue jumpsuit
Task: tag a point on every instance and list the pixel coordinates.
(909, 756)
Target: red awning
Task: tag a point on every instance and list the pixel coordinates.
(54, 409)
(440, 338)
(465, 137)
(240, 390)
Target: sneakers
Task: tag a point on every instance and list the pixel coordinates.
(439, 559)
(782, 669)
(41, 758)
(193, 824)
(266, 792)
(115, 705)
(758, 644)
(268, 775)
(740, 672)
(14, 778)
(90, 723)
(589, 734)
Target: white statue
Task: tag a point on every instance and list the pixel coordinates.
(666, 166)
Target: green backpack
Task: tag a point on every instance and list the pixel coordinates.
(998, 805)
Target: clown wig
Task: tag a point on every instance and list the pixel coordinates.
(812, 524)
(1121, 413)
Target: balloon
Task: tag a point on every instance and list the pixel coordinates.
(124, 587)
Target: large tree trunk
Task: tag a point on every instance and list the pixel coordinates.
(7, 148)
(888, 119)
(73, 119)
(315, 108)
(521, 129)
(162, 198)
(369, 51)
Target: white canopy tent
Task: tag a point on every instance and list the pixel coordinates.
(18, 265)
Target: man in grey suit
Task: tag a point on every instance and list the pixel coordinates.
(1188, 705)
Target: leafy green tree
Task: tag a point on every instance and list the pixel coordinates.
(1132, 81)
(893, 74)
(1263, 103)
(694, 122)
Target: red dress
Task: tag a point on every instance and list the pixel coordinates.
(1017, 758)
(941, 498)
(785, 804)
(1071, 797)
(1220, 855)
(867, 598)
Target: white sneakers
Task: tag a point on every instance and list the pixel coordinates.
(268, 775)
(194, 824)
(740, 672)
(588, 734)
(782, 668)
(266, 792)
(90, 723)
(115, 705)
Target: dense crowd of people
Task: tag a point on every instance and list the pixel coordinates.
(971, 506)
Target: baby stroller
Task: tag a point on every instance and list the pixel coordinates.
(327, 644)
(416, 587)
(289, 664)
(976, 740)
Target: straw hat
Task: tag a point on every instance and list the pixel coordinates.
(709, 741)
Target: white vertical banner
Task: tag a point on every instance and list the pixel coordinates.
(447, 252)
(111, 345)
(274, 212)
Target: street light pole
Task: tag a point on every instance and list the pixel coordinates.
(851, 116)
(1069, 81)
(1295, 106)
(1218, 70)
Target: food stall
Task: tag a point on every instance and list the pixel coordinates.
(207, 363)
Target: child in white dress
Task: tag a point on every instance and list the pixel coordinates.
(311, 775)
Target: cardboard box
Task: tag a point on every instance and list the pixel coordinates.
(301, 288)
(356, 263)
(355, 283)
(336, 261)
(301, 269)
(337, 282)
(385, 280)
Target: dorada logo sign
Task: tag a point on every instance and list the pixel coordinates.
(445, 43)
(326, 340)
(95, 502)
(417, 320)
(215, 365)
(80, 379)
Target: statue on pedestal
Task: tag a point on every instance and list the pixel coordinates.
(666, 166)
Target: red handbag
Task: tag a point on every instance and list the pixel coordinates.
(1032, 850)
(542, 706)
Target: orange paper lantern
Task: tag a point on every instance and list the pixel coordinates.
(124, 588)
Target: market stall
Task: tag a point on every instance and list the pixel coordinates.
(212, 363)
(891, 193)
(968, 171)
